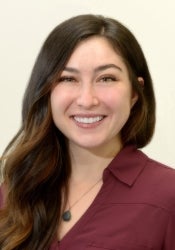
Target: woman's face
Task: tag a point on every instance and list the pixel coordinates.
(93, 97)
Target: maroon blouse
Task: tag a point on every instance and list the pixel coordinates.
(134, 210)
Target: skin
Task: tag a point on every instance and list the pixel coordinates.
(93, 98)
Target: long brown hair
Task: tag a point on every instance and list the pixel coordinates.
(36, 163)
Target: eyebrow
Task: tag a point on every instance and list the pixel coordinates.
(98, 69)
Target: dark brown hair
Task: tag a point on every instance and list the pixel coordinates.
(36, 163)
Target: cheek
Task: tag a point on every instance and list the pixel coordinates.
(58, 99)
(60, 103)
(57, 104)
(118, 100)
(53, 101)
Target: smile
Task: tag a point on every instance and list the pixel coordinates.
(88, 120)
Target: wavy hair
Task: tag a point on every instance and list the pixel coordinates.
(36, 163)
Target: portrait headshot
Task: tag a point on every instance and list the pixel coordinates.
(87, 158)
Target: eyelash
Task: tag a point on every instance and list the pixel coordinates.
(101, 79)
(66, 79)
(108, 79)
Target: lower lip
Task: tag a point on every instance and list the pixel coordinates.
(88, 125)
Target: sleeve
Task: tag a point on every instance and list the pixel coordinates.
(169, 242)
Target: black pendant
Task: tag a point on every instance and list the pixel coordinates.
(66, 216)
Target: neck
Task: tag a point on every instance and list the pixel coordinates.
(90, 163)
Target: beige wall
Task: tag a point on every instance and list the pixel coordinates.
(25, 24)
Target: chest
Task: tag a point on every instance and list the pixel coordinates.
(114, 223)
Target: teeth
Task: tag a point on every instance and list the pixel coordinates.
(88, 119)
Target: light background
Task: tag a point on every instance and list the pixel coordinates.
(24, 26)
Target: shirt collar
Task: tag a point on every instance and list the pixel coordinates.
(128, 164)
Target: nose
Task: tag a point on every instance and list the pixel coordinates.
(87, 97)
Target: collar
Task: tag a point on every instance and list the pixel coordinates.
(128, 164)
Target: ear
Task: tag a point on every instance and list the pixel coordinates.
(140, 81)
(134, 94)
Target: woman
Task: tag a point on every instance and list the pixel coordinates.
(73, 175)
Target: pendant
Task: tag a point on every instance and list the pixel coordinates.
(66, 216)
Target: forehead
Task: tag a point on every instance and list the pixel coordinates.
(95, 39)
(95, 50)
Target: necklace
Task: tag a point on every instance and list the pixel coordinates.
(66, 216)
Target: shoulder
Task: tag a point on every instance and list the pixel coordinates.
(161, 173)
(159, 182)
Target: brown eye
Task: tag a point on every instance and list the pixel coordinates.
(66, 79)
(108, 79)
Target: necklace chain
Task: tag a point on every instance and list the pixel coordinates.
(84, 194)
(66, 216)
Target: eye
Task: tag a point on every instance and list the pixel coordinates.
(108, 79)
(66, 79)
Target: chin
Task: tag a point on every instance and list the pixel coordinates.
(89, 145)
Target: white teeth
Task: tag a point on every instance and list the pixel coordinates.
(88, 119)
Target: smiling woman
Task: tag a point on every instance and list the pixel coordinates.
(73, 176)
(93, 98)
